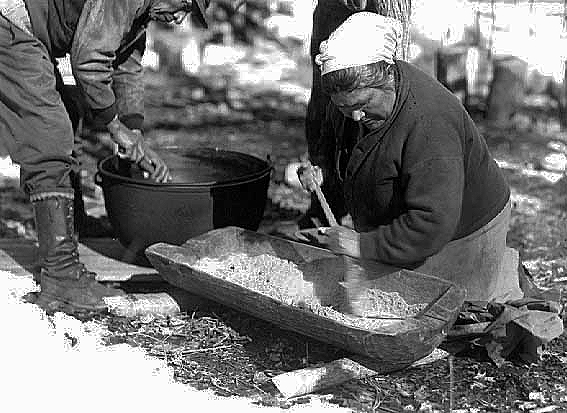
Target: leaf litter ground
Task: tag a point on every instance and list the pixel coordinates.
(235, 354)
(214, 347)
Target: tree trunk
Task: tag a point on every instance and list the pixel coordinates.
(563, 100)
(507, 89)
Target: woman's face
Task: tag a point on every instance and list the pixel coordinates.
(370, 105)
(170, 11)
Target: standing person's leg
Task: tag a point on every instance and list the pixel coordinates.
(85, 225)
(38, 135)
(70, 95)
(327, 16)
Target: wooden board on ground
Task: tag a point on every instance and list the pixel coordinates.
(316, 378)
(393, 343)
(105, 256)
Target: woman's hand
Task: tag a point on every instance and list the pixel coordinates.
(131, 146)
(310, 176)
(341, 240)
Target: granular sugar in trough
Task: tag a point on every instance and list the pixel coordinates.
(378, 303)
(283, 281)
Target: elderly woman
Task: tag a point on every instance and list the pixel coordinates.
(423, 191)
(327, 16)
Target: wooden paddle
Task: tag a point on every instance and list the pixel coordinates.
(325, 205)
(355, 304)
(360, 296)
(306, 174)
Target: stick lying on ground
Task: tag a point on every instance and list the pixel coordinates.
(312, 379)
(137, 305)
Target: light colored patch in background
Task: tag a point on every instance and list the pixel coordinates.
(525, 204)
(528, 170)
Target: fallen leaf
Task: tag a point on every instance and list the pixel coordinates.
(420, 394)
(402, 391)
(545, 409)
(527, 406)
(260, 378)
(494, 350)
(536, 396)
(478, 385)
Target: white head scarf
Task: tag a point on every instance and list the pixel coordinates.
(362, 39)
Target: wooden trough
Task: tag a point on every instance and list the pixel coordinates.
(393, 343)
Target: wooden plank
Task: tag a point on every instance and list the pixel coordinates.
(105, 256)
(319, 377)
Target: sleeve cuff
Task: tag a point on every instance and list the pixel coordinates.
(102, 117)
(367, 246)
(133, 120)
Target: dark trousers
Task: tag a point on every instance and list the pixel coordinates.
(34, 124)
(321, 139)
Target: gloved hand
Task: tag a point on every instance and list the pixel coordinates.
(131, 146)
(310, 176)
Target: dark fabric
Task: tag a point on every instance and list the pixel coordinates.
(38, 11)
(54, 22)
(34, 125)
(424, 178)
(327, 16)
(516, 332)
(355, 5)
(198, 13)
(105, 26)
(134, 121)
(127, 84)
(62, 23)
(106, 41)
(58, 253)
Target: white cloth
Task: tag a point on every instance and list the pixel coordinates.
(361, 39)
(17, 13)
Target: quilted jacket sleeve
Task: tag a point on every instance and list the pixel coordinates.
(101, 30)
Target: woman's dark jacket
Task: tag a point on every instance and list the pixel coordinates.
(424, 178)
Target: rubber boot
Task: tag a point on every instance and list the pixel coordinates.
(63, 278)
(78, 202)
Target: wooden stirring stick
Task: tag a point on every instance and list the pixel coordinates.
(308, 170)
(325, 205)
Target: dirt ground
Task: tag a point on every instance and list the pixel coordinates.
(214, 347)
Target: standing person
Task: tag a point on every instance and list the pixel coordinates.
(327, 16)
(105, 40)
(420, 184)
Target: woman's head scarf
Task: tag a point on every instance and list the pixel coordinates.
(362, 39)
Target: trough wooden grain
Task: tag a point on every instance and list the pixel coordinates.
(394, 345)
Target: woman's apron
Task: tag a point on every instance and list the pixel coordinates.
(481, 263)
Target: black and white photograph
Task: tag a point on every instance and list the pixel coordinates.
(283, 206)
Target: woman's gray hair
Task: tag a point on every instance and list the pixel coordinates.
(357, 77)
